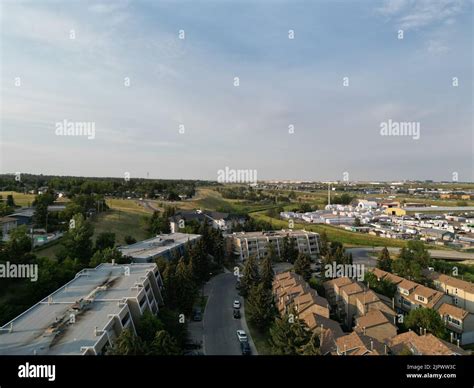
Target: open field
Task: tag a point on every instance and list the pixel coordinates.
(126, 205)
(121, 223)
(20, 199)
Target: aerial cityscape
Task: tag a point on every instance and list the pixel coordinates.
(241, 178)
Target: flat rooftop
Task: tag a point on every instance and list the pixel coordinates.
(272, 233)
(153, 247)
(44, 328)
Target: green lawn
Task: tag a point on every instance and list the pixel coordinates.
(126, 205)
(260, 340)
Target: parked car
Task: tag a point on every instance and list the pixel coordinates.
(197, 316)
(236, 314)
(245, 348)
(242, 336)
(236, 304)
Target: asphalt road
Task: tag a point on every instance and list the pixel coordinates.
(219, 325)
(361, 255)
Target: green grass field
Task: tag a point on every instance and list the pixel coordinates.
(121, 223)
(19, 198)
(126, 205)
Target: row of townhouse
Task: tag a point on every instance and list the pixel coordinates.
(375, 331)
(360, 308)
(458, 320)
(293, 295)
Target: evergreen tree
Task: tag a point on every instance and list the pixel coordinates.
(289, 249)
(384, 261)
(266, 271)
(250, 276)
(186, 291)
(148, 326)
(312, 347)
(259, 307)
(302, 266)
(324, 244)
(288, 334)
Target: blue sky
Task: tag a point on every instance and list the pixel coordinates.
(282, 82)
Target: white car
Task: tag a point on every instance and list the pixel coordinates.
(236, 304)
(242, 336)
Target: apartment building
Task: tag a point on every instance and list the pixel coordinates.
(458, 322)
(461, 291)
(86, 315)
(163, 245)
(423, 345)
(246, 244)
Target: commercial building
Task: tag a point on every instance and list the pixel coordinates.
(163, 245)
(246, 244)
(86, 315)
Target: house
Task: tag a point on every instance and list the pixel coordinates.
(423, 345)
(349, 294)
(377, 325)
(364, 204)
(458, 322)
(395, 211)
(330, 330)
(358, 344)
(461, 291)
(24, 216)
(438, 234)
(8, 223)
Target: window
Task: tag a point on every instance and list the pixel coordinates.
(125, 319)
(420, 298)
(142, 301)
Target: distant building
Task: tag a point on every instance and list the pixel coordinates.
(24, 216)
(218, 220)
(163, 245)
(7, 224)
(86, 315)
(246, 244)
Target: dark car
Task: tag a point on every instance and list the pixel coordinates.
(236, 314)
(197, 316)
(245, 348)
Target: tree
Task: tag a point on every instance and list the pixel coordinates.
(164, 345)
(302, 266)
(382, 286)
(105, 240)
(129, 240)
(289, 250)
(186, 291)
(259, 307)
(384, 262)
(250, 276)
(288, 334)
(324, 244)
(127, 344)
(266, 271)
(107, 255)
(312, 347)
(78, 240)
(357, 222)
(426, 318)
(148, 326)
(10, 201)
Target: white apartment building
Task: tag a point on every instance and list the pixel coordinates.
(246, 244)
(86, 315)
